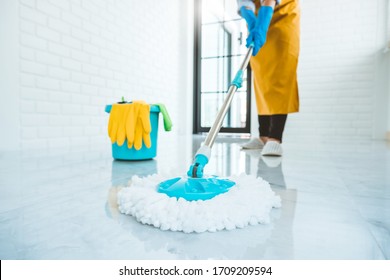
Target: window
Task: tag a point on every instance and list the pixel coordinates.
(219, 50)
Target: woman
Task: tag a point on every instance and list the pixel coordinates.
(274, 32)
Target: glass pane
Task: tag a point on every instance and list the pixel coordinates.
(217, 73)
(215, 41)
(223, 38)
(212, 10)
(231, 10)
(239, 32)
(219, 10)
(211, 104)
(215, 36)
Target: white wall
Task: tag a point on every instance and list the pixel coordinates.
(9, 70)
(74, 57)
(343, 73)
(388, 69)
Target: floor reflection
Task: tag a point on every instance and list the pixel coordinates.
(123, 170)
(271, 170)
(221, 245)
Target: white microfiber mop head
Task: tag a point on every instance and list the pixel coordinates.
(249, 202)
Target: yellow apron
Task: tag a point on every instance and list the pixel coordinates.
(275, 65)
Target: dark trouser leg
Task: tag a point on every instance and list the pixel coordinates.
(272, 126)
(264, 125)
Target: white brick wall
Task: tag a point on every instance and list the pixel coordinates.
(343, 91)
(76, 56)
(387, 72)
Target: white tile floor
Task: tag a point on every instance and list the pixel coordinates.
(335, 204)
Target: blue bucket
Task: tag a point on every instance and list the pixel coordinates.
(124, 153)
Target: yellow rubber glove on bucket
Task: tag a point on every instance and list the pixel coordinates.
(117, 122)
(131, 122)
(142, 125)
(144, 117)
(121, 133)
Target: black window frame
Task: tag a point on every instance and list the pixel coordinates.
(197, 128)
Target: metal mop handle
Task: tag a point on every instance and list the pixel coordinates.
(203, 154)
(226, 104)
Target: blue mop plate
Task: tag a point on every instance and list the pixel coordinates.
(195, 188)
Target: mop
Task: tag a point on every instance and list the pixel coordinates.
(198, 202)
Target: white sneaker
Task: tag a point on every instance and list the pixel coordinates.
(272, 148)
(253, 144)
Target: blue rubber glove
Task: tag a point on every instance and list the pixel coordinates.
(258, 34)
(249, 17)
